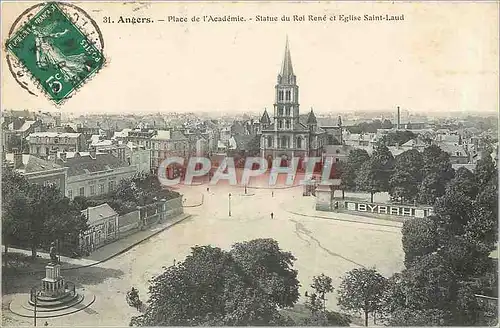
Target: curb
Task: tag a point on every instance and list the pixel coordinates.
(196, 205)
(287, 187)
(345, 220)
(113, 255)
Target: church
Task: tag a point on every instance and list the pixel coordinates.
(286, 134)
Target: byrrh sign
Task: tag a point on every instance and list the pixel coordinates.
(390, 209)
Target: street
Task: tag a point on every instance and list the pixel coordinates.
(325, 246)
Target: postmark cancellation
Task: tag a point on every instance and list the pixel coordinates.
(54, 48)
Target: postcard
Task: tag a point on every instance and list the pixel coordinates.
(249, 163)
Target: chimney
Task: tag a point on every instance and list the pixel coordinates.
(53, 155)
(18, 158)
(399, 118)
(93, 152)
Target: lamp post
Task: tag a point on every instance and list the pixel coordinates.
(229, 204)
(37, 293)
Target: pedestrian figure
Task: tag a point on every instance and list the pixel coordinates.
(46, 324)
(208, 189)
(174, 261)
(272, 215)
(272, 193)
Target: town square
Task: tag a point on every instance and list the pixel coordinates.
(249, 164)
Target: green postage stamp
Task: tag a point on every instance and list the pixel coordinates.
(55, 51)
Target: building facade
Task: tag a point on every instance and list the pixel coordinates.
(42, 144)
(92, 174)
(285, 135)
(103, 227)
(168, 143)
(37, 170)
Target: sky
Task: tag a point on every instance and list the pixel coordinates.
(442, 57)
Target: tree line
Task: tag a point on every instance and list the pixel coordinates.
(447, 264)
(411, 177)
(36, 215)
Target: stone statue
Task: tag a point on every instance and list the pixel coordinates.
(53, 256)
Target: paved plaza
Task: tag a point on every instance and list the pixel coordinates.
(332, 244)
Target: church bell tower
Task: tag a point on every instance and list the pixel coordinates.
(286, 104)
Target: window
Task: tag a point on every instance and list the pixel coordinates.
(280, 95)
(280, 111)
(299, 142)
(101, 189)
(288, 95)
(284, 143)
(287, 124)
(269, 141)
(70, 193)
(111, 185)
(288, 111)
(280, 124)
(111, 227)
(82, 191)
(92, 190)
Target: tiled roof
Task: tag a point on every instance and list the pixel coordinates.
(162, 135)
(178, 135)
(26, 125)
(242, 141)
(79, 165)
(55, 134)
(33, 164)
(98, 213)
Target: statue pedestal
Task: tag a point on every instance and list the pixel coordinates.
(324, 195)
(53, 283)
(324, 198)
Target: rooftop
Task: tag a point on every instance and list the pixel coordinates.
(97, 213)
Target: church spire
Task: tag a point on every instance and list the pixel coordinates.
(286, 68)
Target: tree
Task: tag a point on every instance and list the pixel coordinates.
(437, 173)
(407, 176)
(430, 287)
(14, 206)
(463, 182)
(366, 179)
(387, 124)
(374, 174)
(453, 211)
(419, 238)
(485, 170)
(36, 215)
(321, 285)
(270, 267)
(65, 225)
(350, 170)
(397, 138)
(362, 290)
(215, 287)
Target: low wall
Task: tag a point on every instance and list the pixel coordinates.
(386, 209)
(128, 223)
(132, 222)
(173, 207)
